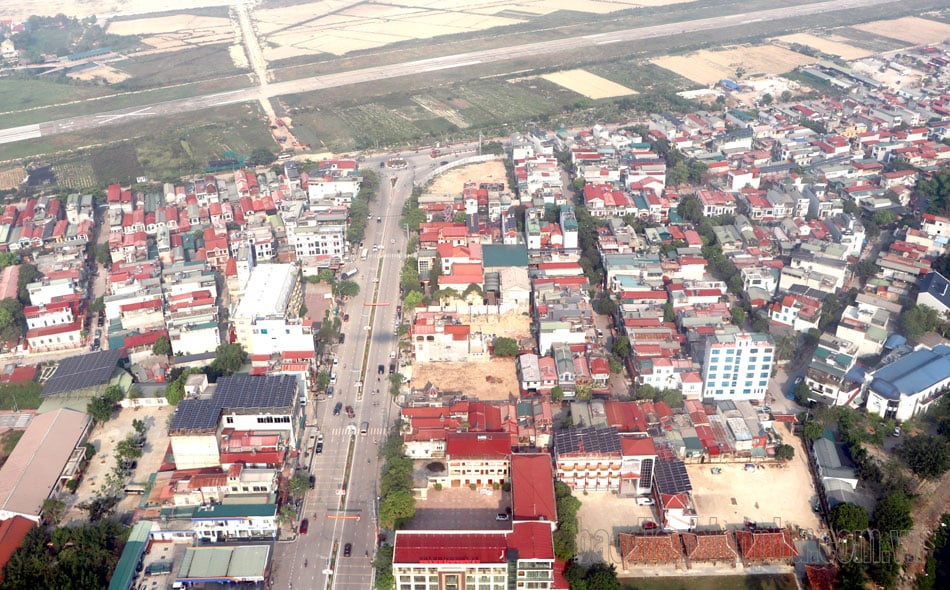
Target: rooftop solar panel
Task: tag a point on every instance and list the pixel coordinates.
(240, 391)
(671, 476)
(83, 371)
(587, 440)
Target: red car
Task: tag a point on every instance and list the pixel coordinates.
(304, 525)
(649, 525)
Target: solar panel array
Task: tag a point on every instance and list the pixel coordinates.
(587, 440)
(671, 476)
(240, 391)
(83, 371)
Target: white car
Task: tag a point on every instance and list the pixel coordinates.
(332, 378)
(336, 362)
(645, 501)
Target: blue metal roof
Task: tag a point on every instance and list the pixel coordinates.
(912, 373)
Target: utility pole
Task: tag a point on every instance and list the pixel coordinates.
(479, 143)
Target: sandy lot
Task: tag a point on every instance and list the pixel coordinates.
(107, 73)
(601, 518)
(105, 436)
(470, 378)
(735, 495)
(509, 325)
(709, 67)
(587, 84)
(451, 182)
(831, 44)
(918, 31)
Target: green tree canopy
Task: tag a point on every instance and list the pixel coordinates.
(412, 300)
(848, 517)
(103, 254)
(263, 156)
(395, 508)
(229, 358)
(100, 409)
(12, 320)
(812, 431)
(892, 513)
(505, 347)
(926, 455)
(162, 346)
(7, 259)
(347, 289)
(917, 320)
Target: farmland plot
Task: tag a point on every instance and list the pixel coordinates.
(498, 102)
(372, 123)
(75, 174)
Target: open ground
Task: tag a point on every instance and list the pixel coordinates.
(105, 437)
(459, 508)
(734, 496)
(169, 33)
(911, 29)
(711, 66)
(587, 84)
(831, 44)
(471, 379)
(451, 181)
(23, 9)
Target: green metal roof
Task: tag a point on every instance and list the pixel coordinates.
(234, 511)
(242, 563)
(124, 573)
(495, 255)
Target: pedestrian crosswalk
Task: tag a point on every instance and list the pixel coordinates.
(343, 430)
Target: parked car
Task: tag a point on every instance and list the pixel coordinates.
(650, 526)
(330, 391)
(319, 449)
(380, 369)
(502, 516)
(337, 408)
(332, 378)
(349, 412)
(645, 501)
(716, 470)
(336, 362)
(313, 481)
(342, 338)
(304, 526)
(346, 317)
(347, 549)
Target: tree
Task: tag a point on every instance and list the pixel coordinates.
(917, 320)
(113, 394)
(127, 449)
(672, 397)
(473, 289)
(409, 277)
(286, 515)
(621, 347)
(229, 358)
(936, 191)
(848, 517)
(801, 393)
(7, 259)
(162, 346)
(785, 452)
(459, 217)
(347, 289)
(892, 514)
(678, 174)
(53, 510)
(396, 508)
(263, 157)
(412, 300)
(766, 99)
(298, 486)
(505, 347)
(139, 427)
(100, 409)
(668, 314)
(565, 537)
(99, 508)
(103, 254)
(926, 455)
(738, 315)
(383, 563)
(323, 380)
(812, 431)
(435, 273)
(12, 320)
(557, 393)
(884, 217)
(786, 95)
(850, 576)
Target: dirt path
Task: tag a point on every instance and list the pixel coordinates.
(935, 496)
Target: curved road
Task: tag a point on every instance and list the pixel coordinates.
(422, 66)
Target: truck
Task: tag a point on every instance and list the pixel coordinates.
(349, 274)
(364, 253)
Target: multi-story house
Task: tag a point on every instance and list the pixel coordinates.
(830, 376)
(737, 366)
(477, 458)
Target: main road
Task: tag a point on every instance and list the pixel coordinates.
(459, 60)
(307, 561)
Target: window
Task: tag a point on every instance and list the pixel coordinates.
(229, 420)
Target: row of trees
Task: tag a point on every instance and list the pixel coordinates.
(359, 208)
(396, 504)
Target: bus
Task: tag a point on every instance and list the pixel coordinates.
(348, 274)
(364, 254)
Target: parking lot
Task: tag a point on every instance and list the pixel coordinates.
(461, 509)
(105, 437)
(603, 516)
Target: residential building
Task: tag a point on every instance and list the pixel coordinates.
(220, 523)
(601, 459)
(479, 458)
(737, 366)
(831, 376)
(265, 320)
(934, 293)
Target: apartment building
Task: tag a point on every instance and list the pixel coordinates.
(737, 366)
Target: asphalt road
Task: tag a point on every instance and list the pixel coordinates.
(321, 548)
(384, 72)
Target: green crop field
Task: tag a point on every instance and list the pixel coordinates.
(187, 65)
(74, 173)
(27, 93)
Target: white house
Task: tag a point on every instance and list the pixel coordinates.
(909, 385)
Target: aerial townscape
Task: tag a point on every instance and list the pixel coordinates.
(444, 295)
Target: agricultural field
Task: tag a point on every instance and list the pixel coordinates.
(187, 65)
(830, 44)
(711, 66)
(75, 173)
(867, 40)
(910, 29)
(11, 177)
(31, 93)
(587, 84)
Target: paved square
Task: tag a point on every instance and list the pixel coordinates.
(461, 509)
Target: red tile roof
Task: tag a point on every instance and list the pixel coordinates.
(650, 548)
(532, 540)
(761, 545)
(12, 532)
(532, 485)
(478, 444)
(710, 546)
(412, 547)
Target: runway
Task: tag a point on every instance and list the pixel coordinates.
(384, 72)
